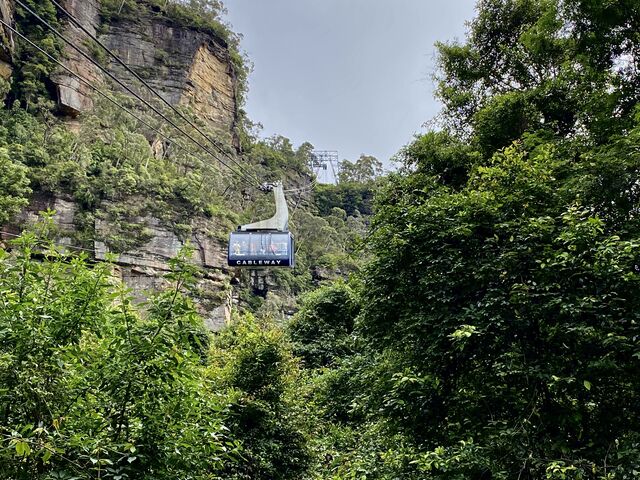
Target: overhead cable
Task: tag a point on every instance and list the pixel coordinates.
(247, 179)
(302, 189)
(79, 24)
(70, 247)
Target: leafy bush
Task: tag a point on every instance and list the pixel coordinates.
(256, 363)
(321, 330)
(90, 387)
(14, 187)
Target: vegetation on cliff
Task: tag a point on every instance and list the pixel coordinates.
(31, 82)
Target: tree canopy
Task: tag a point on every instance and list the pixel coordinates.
(567, 66)
(497, 336)
(366, 169)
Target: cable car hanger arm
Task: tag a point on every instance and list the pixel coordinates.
(280, 221)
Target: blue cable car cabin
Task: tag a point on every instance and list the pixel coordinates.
(261, 249)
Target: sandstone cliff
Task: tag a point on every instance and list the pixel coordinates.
(6, 39)
(185, 65)
(74, 97)
(188, 67)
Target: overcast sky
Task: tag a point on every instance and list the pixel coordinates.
(346, 75)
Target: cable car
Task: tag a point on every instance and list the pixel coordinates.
(261, 249)
(267, 243)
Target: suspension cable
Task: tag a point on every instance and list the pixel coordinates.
(97, 90)
(79, 24)
(247, 179)
(70, 247)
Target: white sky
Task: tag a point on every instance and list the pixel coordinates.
(346, 75)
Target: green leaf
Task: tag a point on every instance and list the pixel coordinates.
(22, 449)
(46, 456)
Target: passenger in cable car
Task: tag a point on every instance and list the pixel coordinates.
(253, 248)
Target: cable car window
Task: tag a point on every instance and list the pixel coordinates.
(261, 248)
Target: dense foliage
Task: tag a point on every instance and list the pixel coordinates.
(492, 332)
(96, 386)
(321, 331)
(498, 331)
(352, 197)
(516, 299)
(255, 361)
(32, 82)
(565, 66)
(364, 170)
(93, 389)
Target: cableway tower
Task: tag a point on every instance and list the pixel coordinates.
(324, 164)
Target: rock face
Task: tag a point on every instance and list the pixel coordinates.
(210, 88)
(65, 210)
(74, 97)
(6, 39)
(143, 267)
(184, 65)
(187, 67)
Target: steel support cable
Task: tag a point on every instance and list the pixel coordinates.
(173, 142)
(97, 90)
(247, 179)
(306, 188)
(299, 190)
(215, 143)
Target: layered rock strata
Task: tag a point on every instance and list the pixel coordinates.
(6, 39)
(188, 68)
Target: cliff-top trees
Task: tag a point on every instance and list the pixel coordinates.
(565, 66)
(364, 170)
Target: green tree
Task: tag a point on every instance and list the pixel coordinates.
(90, 387)
(542, 64)
(364, 170)
(14, 187)
(441, 156)
(508, 309)
(321, 331)
(255, 361)
(353, 198)
(499, 316)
